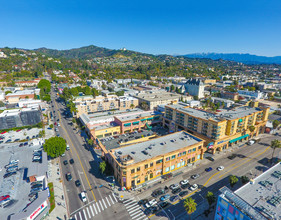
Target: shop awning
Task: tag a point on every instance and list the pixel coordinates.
(136, 123)
(143, 119)
(128, 124)
(238, 139)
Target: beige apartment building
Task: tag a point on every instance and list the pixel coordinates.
(219, 130)
(89, 104)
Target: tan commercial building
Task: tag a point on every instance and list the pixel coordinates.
(219, 130)
(89, 104)
(139, 163)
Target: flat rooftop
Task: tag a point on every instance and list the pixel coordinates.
(157, 96)
(196, 112)
(158, 146)
(137, 115)
(239, 112)
(105, 126)
(264, 194)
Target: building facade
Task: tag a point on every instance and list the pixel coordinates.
(219, 130)
(195, 87)
(136, 164)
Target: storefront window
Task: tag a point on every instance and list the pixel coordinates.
(172, 167)
(167, 169)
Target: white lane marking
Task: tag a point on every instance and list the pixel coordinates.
(98, 206)
(88, 212)
(75, 216)
(108, 201)
(114, 197)
(85, 214)
(104, 204)
(95, 208)
(80, 216)
(142, 218)
(134, 204)
(129, 203)
(111, 199)
(92, 211)
(135, 213)
(132, 208)
(101, 205)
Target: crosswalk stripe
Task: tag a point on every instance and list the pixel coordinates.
(80, 215)
(131, 205)
(137, 212)
(108, 201)
(111, 199)
(95, 208)
(128, 203)
(85, 214)
(137, 215)
(126, 200)
(92, 211)
(88, 212)
(75, 216)
(132, 208)
(142, 218)
(101, 205)
(98, 206)
(104, 204)
(114, 197)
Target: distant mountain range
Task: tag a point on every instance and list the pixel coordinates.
(238, 57)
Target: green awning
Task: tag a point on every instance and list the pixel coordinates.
(143, 119)
(149, 118)
(136, 123)
(128, 124)
(238, 139)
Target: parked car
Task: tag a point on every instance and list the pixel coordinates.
(184, 182)
(21, 145)
(250, 142)
(71, 161)
(174, 186)
(174, 198)
(36, 186)
(157, 192)
(210, 158)
(220, 168)
(195, 176)
(83, 197)
(68, 177)
(9, 174)
(36, 157)
(151, 203)
(163, 204)
(143, 201)
(77, 183)
(177, 190)
(65, 162)
(183, 193)
(194, 187)
(167, 176)
(208, 169)
(165, 197)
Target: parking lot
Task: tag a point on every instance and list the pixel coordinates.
(16, 185)
(19, 135)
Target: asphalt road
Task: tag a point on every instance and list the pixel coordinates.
(85, 168)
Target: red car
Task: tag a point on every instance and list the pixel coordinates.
(4, 132)
(55, 123)
(19, 130)
(4, 197)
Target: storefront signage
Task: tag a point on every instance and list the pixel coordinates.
(210, 145)
(38, 210)
(220, 142)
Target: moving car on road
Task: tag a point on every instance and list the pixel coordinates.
(77, 183)
(195, 176)
(210, 158)
(220, 168)
(68, 177)
(83, 197)
(208, 169)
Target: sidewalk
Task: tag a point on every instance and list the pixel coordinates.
(54, 176)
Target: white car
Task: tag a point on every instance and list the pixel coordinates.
(83, 197)
(174, 186)
(194, 187)
(220, 168)
(184, 182)
(151, 203)
(36, 158)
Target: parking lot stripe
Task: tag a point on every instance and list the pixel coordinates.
(85, 214)
(135, 210)
(114, 197)
(101, 205)
(93, 214)
(80, 216)
(137, 215)
(111, 199)
(129, 203)
(95, 209)
(88, 212)
(98, 206)
(131, 208)
(108, 201)
(104, 204)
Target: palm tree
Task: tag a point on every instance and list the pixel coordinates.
(275, 144)
(190, 205)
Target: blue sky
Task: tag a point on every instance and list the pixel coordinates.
(170, 27)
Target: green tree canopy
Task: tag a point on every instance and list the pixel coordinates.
(55, 146)
(252, 128)
(2, 104)
(275, 124)
(210, 198)
(102, 166)
(190, 205)
(44, 84)
(233, 180)
(275, 144)
(120, 93)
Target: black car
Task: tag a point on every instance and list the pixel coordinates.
(177, 190)
(147, 211)
(71, 161)
(158, 192)
(184, 186)
(77, 183)
(163, 204)
(154, 209)
(68, 177)
(167, 176)
(231, 157)
(143, 201)
(65, 162)
(25, 144)
(9, 174)
(36, 186)
(210, 158)
(183, 193)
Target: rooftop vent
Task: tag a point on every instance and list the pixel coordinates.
(145, 152)
(133, 152)
(150, 147)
